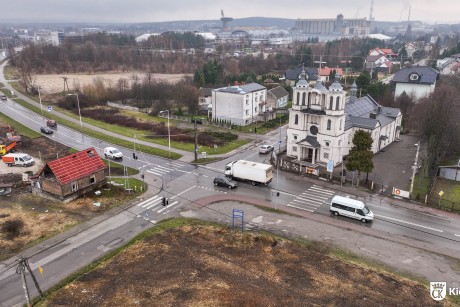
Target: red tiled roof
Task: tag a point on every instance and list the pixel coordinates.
(325, 71)
(77, 165)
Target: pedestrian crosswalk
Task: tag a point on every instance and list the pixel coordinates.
(311, 199)
(155, 204)
(163, 169)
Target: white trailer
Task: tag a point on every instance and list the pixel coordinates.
(254, 172)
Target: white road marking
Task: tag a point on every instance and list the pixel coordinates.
(409, 223)
(456, 235)
(308, 202)
(300, 208)
(152, 172)
(147, 200)
(184, 192)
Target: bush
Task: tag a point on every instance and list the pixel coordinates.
(12, 228)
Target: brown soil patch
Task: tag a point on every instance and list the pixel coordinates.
(55, 83)
(211, 266)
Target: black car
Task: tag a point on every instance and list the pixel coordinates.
(225, 182)
(46, 130)
(197, 120)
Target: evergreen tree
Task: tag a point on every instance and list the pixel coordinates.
(360, 156)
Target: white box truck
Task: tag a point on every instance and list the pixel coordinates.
(254, 172)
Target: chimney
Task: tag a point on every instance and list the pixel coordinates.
(379, 109)
(373, 115)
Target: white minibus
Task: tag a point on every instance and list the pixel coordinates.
(352, 208)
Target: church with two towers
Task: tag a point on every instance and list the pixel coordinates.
(322, 122)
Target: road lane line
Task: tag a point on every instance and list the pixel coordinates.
(409, 223)
(184, 191)
(300, 208)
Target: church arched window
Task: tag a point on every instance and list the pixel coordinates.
(337, 103)
(340, 127)
(296, 119)
(328, 124)
(298, 99)
(331, 101)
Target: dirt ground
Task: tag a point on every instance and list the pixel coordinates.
(41, 217)
(55, 83)
(212, 266)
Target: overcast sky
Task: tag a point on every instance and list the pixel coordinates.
(131, 11)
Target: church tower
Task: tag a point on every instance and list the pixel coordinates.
(316, 121)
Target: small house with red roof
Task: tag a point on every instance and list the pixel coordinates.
(71, 176)
(325, 73)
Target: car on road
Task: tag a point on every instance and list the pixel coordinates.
(225, 182)
(46, 130)
(51, 123)
(3, 97)
(112, 153)
(265, 149)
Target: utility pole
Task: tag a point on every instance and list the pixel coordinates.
(21, 270)
(414, 169)
(33, 278)
(196, 142)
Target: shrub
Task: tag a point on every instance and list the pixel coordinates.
(12, 228)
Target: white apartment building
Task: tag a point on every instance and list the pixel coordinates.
(240, 104)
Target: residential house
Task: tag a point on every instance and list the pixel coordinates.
(410, 49)
(388, 53)
(277, 98)
(325, 73)
(322, 122)
(71, 176)
(292, 76)
(240, 104)
(447, 66)
(378, 63)
(419, 81)
(204, 100)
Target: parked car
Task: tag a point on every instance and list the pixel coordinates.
(46, 130)
(265, 149)
(3, 97)
(225, 182)
(197, 120)
(113, 153)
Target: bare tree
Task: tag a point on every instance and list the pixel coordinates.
(435, 118)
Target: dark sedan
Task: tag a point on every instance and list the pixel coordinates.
(46, 130)
(225, 182)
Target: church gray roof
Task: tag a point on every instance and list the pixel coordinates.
(311, 140)
(359, 113)
(360, 122)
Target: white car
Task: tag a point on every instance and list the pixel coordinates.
(265, 149)
(112, 153)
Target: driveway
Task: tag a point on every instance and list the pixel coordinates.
(393, 165)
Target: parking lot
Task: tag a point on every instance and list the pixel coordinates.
(393, 165)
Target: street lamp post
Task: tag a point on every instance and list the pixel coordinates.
(79, 113)
(40, 98)
(169, 134)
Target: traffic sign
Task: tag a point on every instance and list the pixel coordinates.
(50, 108)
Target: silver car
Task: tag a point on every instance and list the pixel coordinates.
(265, 149)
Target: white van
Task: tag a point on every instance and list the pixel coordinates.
(352, 208)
